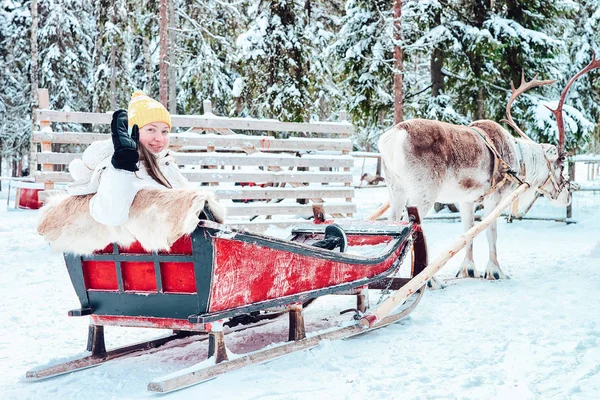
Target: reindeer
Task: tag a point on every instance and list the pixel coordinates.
(370, 179)
(429, 161)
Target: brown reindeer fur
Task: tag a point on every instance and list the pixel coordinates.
(430, 161)
(157, 218)
(440, 154)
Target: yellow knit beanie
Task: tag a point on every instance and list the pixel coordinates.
(144, 110)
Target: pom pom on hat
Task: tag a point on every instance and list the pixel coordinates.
(144, 110)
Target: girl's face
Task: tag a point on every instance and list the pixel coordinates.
(155, 136)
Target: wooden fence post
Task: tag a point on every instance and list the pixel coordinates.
(207, 106)
(571, 179)
(44, 98)
(343, 117)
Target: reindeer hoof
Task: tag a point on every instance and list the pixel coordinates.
(493, 272)
(435, 284)
(467, 272)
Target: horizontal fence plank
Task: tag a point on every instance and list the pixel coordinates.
(211, 175)
(69, 137)
(264, 159)
(259, 193)
(205, 122)
(190, 139)
(306, 192)
(227, 159)
(56, 158)
(286, 209)
(261, 226)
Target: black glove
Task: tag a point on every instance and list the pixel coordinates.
(126, 155)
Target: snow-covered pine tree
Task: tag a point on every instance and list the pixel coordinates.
(583, 37)
(364, 73)
(528, 32)
(111, 82)
(472, 66)
(274, 55)
(143, 24)
(428, 45)
(65, 63)
(15, 96)
(206, 52)
(322, 25)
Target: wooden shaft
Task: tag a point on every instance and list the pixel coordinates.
(379, 212)
(385, 308)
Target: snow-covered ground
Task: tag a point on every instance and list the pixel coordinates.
(535, 336)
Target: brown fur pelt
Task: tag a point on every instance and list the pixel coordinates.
(157, 218)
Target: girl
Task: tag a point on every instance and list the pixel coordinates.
(136, 158)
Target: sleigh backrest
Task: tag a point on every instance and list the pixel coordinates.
(256, 167)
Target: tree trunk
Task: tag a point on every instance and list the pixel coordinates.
(172, 59)
(515, 13)
(163, 82)
(1, 163)
(480, 104)
(437, 62)
(113, 63)
(149, 69)
(113, 78)
(398, 111)
(15, 168)
(34, 83)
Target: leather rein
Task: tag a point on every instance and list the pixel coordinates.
(509, 174)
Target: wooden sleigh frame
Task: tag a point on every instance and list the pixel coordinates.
(218, 273)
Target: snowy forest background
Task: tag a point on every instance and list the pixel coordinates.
(301, 60)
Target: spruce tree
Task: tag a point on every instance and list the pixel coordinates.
(15, 96)
(364, 72)
(206, 53)
(274, 56)
(582, 112)
(142, 16)
(429, 46)
(66, 43)
(111, 56)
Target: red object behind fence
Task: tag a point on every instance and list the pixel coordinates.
(28, 198)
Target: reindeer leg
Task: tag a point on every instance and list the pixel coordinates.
(492, 270)
(398, 199)
(467, 268)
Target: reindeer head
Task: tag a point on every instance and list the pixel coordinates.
(556, 187)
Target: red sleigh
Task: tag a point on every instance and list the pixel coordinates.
(218, 275)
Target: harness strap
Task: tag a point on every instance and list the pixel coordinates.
(507, 172)
(521, 160)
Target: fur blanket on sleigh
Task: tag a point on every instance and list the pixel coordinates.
(157, 218)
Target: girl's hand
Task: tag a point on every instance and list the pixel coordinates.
(126, 155)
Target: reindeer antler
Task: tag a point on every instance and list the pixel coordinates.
(523, 87)
(595, 63)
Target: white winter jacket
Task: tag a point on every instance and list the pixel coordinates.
(115, 189)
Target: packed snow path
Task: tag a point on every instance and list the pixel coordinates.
(535, 336)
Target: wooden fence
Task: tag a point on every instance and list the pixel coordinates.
(289, 176)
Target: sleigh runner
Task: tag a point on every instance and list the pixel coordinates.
(219, 275)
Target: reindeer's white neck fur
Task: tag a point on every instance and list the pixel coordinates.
(536, 167)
